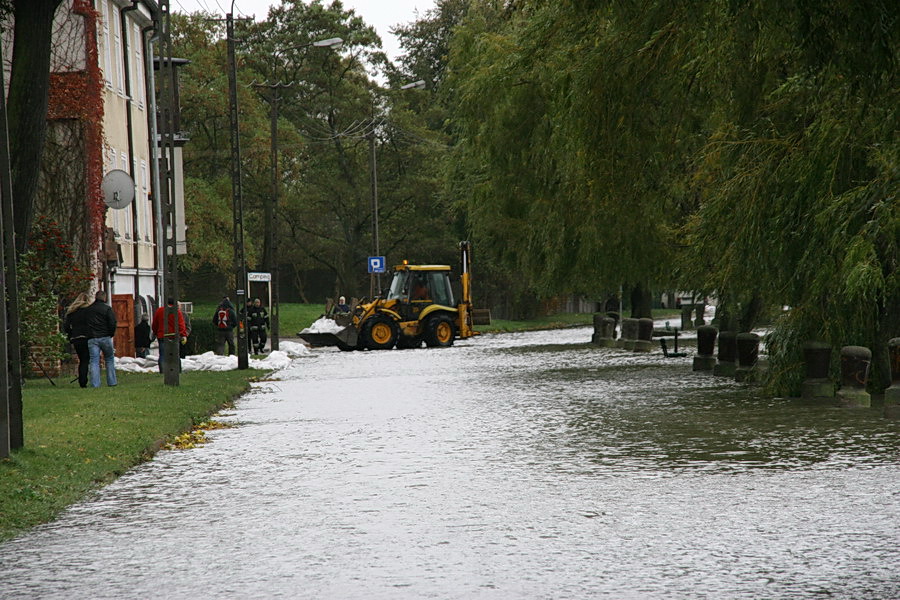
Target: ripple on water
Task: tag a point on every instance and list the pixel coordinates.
(522, 466)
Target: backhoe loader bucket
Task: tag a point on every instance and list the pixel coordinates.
(344, 339)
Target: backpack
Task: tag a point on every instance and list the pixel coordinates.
(222, 318)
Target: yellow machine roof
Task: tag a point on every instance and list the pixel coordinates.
(422, 268)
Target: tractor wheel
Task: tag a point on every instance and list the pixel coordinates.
(405, 342)
(439, 331)
(380, 332)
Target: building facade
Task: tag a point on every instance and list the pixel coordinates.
(103, 118)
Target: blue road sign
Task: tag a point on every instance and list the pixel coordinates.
(376, 264)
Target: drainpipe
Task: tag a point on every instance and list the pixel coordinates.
(129, 120)
(149, 43)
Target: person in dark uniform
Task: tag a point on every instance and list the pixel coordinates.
(258, 322)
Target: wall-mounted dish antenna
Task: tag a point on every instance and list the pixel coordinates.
(118, 189)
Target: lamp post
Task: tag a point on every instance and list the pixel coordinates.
(375, 279)
(270, 250)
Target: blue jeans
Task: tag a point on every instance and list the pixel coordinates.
(95, 347)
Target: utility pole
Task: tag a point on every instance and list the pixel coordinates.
(10, 383)
(172, 358)
(240, 264)
(270, 208)
(271, 249)
(373, 177)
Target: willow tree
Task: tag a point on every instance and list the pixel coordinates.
(574, 125)
(799, 178)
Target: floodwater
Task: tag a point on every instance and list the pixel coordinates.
(514, 466)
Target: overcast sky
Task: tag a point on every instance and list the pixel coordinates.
(382, 14)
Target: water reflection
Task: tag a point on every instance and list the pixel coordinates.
(520, 466)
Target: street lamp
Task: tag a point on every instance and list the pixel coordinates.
(415, 85)
(375, 279)
(270, 251)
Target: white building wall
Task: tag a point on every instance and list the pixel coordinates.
(133, 225)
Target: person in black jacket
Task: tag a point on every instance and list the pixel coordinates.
(258, 321)
(76, 328)
(224, 320)
(101, 322)
(143, 336)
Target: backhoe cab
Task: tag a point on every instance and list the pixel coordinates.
(418, 307)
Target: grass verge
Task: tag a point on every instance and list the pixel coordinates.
(292, 317)
(77, 440)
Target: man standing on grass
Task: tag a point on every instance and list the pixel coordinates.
(225, 320)
(167, 332)
(101, 322)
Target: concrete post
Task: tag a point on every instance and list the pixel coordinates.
(855, 361)
(725, 366)
(644, 341)
(629, 334)
(706, 344)
(607, 335)
(747, 355)
(892, 394)
(598, 329)
(817, 384)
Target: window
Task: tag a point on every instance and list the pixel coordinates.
(139, 225)
(146, 205)
(139, 89)
(107, 51)
(117, 59)
(124, 213)
(439, 285)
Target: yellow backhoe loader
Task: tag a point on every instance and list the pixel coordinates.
(418, 307)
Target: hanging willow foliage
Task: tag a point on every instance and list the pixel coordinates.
(743, 149)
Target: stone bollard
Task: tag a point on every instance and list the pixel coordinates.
(686, 322)
(629, 334)
(855, 361)
(747, 355)
(644, 341)
(598, 329)
(817, 384)
(607, 334)
(706, 343)
(727, 354)
(609, 330)
(892, 394)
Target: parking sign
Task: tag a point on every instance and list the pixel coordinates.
(376, 264)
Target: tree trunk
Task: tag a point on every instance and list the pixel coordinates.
(27, 105)
(641, 302)
(751, 312)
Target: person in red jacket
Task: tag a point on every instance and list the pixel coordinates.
(168, 333)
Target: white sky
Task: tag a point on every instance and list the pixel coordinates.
(381, 14)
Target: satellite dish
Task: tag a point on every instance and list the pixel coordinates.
(118, 189)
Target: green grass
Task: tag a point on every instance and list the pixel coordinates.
(292, 317)
(79, 439)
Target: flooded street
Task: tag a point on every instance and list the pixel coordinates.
(527, 465)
